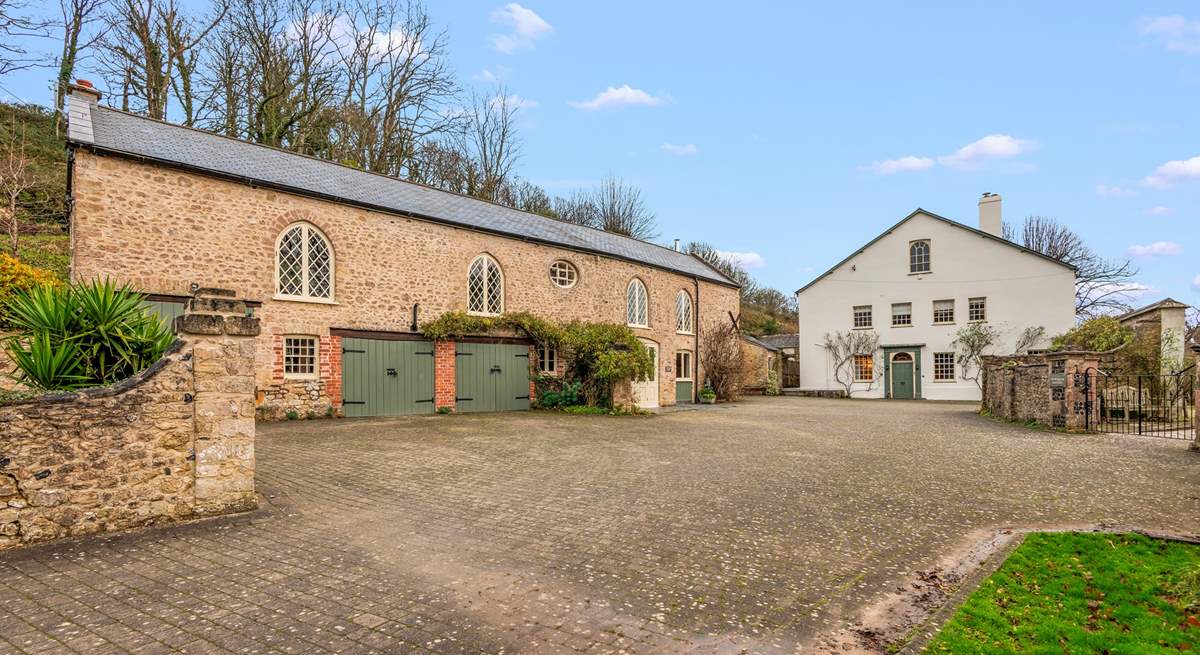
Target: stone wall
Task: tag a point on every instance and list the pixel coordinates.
(174, 442)
(1018, 388)
(384, 265)
(7, 369)
(1052, 390)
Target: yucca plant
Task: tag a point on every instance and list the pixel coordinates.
(88, 334)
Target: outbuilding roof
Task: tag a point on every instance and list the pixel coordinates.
(121, 133)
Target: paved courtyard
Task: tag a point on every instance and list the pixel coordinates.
(747, 528)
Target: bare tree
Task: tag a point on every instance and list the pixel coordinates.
(1029, 339)
(722, 360)
(970, 344)
(14, 24)
(78, 36)
(843, 349)
(18, 177)
(620, 209)
(491, 140)
(1101, 285)
(576, 208)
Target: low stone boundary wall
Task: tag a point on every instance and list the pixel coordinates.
(1050, 390)
(173, 442)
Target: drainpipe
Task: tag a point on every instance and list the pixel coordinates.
(695, 344)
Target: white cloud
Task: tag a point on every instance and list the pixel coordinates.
(525, 24)
(992, 146)
(486, 76)
(1178, 170)
(1196, 283)
(515, 101)
(1158, 211)
(902, 165)
(1175, 33)
(685, 150)
(1156, 249)
(615, 97)
(1114, 191)
(748, 259)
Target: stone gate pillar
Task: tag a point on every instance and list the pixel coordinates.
(220, 334)
(1196, 401)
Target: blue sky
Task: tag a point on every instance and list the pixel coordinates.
(796, 132)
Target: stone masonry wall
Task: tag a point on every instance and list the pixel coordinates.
(1018, 388)
(383, 263)
(174, 442)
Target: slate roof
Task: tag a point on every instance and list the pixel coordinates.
(919, 211)
(759, 342)
(1165, 303)
(781, 340)
(127, 134)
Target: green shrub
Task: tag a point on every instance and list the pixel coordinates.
(292, 415)
(1095, 334)
(85, 335)
(772, 383)
(17, 278)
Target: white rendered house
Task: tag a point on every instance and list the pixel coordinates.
(915, 286)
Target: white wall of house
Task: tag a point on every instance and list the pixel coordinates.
(1021, 290)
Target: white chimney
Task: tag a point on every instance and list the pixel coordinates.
(989, 214)
(676, 245)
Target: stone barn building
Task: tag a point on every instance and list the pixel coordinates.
(341, 266)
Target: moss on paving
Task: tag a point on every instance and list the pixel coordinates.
(1081, 593)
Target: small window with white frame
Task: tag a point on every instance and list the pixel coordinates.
(485, 287)
(943, 367)
(563, 274)
(943, 312)
(901, 314)
(864, 368)
(303, 264)
(863, 317)
(547, 359)
(683, 365)
(300, 358)
(918, 256)
(977, 309)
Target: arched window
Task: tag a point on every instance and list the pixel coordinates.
(683, 312)
(918, 257)
(636, 313)
(485, 287)
(303, 264)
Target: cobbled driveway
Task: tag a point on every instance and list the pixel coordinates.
(746, 528)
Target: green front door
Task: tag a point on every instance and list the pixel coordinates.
(386, 378)
(491, 377)
(902, 376)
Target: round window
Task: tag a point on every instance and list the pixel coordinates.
(563, 274)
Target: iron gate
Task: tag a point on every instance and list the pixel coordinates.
(1147, 405)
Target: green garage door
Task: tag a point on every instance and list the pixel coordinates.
(386, 378)
(491, 377)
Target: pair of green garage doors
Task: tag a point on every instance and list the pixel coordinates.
(383, 377)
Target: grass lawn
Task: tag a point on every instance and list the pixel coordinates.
(48, 251)
(1082, 593)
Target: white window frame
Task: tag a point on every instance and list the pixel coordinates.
(857, 369)
(306, 231)
(684, 355)
(565, 265)
(316, 357)
(637, 301)
(910, 314)
(944, 321)
(939, 367)
(982, 309)
(870, 314)
(547, 359)
(684, 318)
(489, 263)
(914, 263)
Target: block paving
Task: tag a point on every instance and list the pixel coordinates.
(751, 527)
